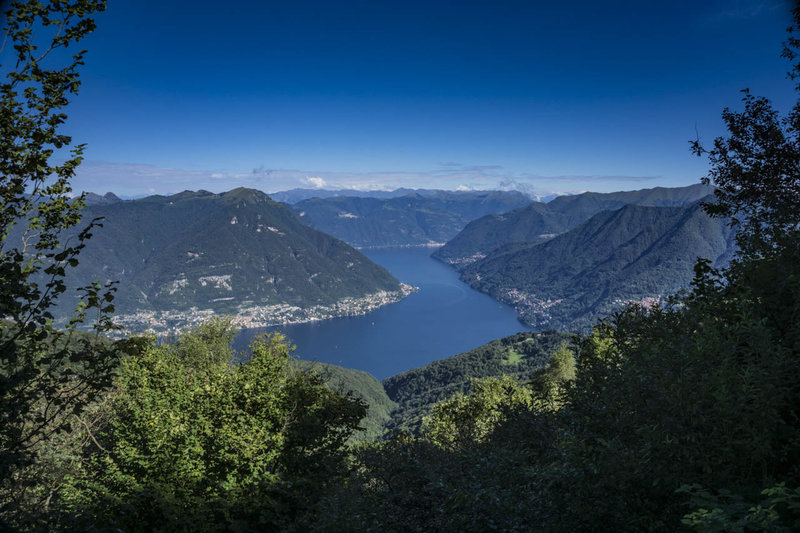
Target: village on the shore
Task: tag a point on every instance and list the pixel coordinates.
(168, 323)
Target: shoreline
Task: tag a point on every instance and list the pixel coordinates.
(166, 323)
(389, 246)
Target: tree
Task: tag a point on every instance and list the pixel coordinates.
(756, 174)
(463, 420)
(756, 168)
(46, 374)
(199, 444)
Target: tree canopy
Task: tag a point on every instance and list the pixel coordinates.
(47, 375)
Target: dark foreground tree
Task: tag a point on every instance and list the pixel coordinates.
(47, 375)
(685, 416)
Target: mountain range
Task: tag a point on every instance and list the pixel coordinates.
(427, 218)
(537, 221)
(561, 264)
(293, 196)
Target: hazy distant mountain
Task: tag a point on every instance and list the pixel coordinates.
(417, 218)
(293, 196)
(545, 198)
(631, 254)
(579, 207)
(538, 221)
(223, 253)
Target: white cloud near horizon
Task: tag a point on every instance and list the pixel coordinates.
(315, 181)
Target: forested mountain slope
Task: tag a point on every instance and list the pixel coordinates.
(636, 253)
(234, 253)
(580, 207)
(361, 384)
(417, 390)
(533, 223)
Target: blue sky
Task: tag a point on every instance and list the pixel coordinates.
(546, 96)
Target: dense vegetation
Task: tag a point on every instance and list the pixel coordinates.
(417, 391)
(187, 437)
(417, 218)
(363, 385)
(683, 415)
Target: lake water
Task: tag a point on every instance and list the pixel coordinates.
(443, 318)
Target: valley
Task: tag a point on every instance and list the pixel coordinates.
(184, 258)
(380, 267)
(444, 317)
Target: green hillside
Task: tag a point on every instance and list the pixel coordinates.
(631, 254)
(363, 385)
(533, 223)
(410, 220)
(222, 253)
(417, 390)
(580, 207)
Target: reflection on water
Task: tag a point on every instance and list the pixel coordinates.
(443, 318)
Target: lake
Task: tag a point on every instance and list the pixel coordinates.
(443, 318)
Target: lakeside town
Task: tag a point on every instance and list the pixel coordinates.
(168, 323)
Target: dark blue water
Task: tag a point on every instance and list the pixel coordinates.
(443, 318)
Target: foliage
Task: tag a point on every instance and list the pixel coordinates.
(559, 373)
(756, 169)
(467, 472)
(47, 376)
(757, 173)
(196, 444)
(417, 390)
(678, 415)
(207, 346)
(778, 511)
(363, 385)
(462, 420)
(706, 387)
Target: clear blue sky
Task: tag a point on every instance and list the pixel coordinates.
(557, 96)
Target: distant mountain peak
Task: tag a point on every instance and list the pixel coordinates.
(107, 199)
(246, 195)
